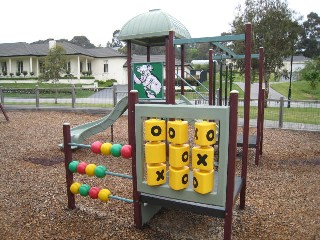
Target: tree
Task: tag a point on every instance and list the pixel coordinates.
(309, 44)
(274, 29)
(116, 43)
(54, 65)
(82, 41)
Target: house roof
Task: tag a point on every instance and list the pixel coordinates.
(299, 58)
(42, 49)
(151, 28)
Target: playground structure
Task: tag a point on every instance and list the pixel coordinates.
(209, 192)
(4, 112)
(218, 186)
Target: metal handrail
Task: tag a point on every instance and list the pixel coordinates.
(204, 98)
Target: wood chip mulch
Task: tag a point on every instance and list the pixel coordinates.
(283, 192)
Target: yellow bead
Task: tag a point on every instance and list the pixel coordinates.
(205, 133)
(103, 195)
(74, 188)
(155, 130)
(105, 148)
(90, 169)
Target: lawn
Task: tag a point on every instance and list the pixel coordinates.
(300, 90)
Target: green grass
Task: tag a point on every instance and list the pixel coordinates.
(300, 90)
(296, 115)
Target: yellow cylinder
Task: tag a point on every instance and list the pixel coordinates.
(203, 158)
(177, 132)
(155, 152)
(156, 174)
(155, 130)
(179, 155)
(205, 133)
(203, 182)
(179, 177)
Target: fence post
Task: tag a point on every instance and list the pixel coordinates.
(1, 95)
(73, 95)
(281, 112)
(37, 96)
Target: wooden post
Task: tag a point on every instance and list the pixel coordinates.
(73, 96)
(232, 152)
(133, 99)
(211, 92)
(182, 69)
(67, 159)
(4, 112)
(37, 96)
(246, 120)
(1, 95)
(129, 65)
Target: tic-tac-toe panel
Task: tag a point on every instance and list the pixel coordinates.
(179, 171)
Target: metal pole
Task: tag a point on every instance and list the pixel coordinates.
(290, 79)
(182, 68)
(231, 74)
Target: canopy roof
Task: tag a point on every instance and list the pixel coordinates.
(151, 28)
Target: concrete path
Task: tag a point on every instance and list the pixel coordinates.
(255, 89)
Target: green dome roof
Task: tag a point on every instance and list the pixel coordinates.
(151, 28)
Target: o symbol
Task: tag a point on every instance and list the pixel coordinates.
(195, 182)
(185, 178)
(210, 135)
(172, 133)
(184, 156)
(156, 131)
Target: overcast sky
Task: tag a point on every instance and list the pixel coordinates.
(32, 20)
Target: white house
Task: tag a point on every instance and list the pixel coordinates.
(298, 63)
(103, 63)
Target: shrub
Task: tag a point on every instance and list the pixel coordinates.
(311, 72)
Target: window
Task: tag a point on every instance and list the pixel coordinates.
(105, 67)
(41, 66)
(89, 67)
(69, 67)
(81, 66)
(4, 66)
(20, 66)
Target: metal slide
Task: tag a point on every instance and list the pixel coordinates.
(84, 131)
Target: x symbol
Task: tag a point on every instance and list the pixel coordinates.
(202, 159)
(160, 175)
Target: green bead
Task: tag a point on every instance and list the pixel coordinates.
(73, 166)
(84, 190)
(116, 150)
(100, 171)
